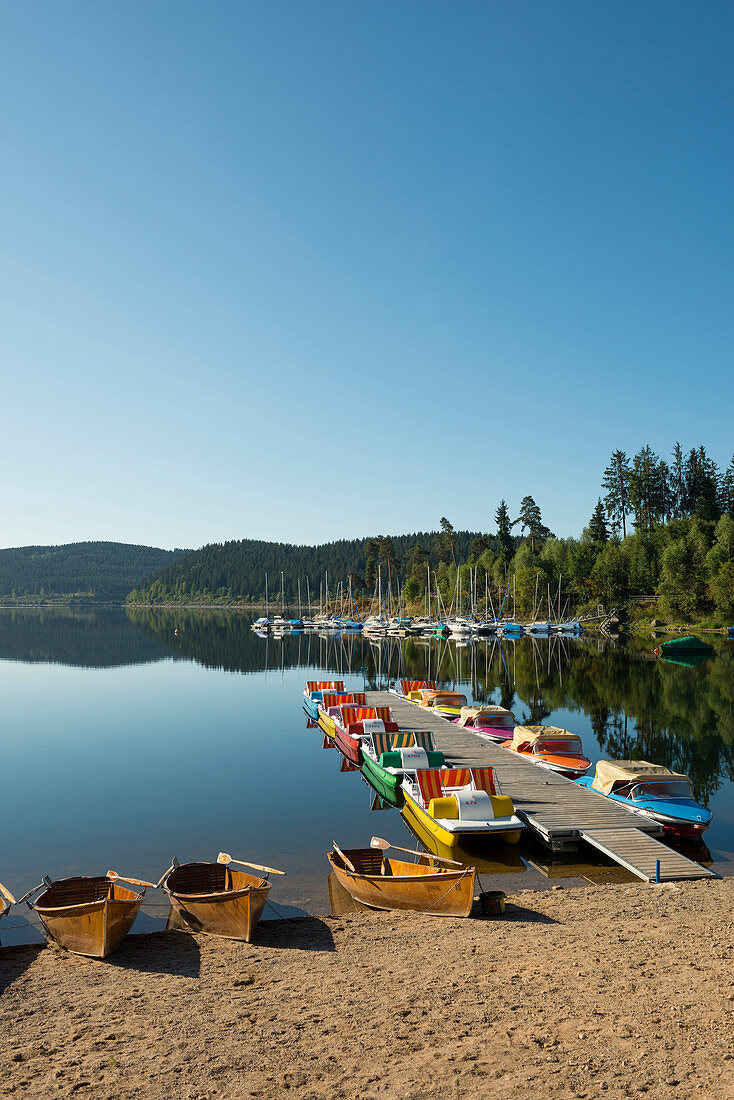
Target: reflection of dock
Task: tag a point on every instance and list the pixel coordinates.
(559, 811)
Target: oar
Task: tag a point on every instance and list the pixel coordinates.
(378, 842)
(126, 878)
(347, 862)
(6, 894)
(224, 858)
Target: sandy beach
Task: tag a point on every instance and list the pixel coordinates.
(607, 991)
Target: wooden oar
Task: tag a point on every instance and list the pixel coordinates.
(378, 842)
(165, 875)
(347, 862)
(6, 894)
(126, 878)
(224, 858)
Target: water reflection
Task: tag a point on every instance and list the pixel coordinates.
(182, 744)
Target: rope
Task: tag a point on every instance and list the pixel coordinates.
(453, 886)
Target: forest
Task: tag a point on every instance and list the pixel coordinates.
(661, 529)
(88, 571)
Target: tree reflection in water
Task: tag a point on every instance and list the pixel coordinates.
(638, 706)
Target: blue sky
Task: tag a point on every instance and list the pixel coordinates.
(314, 270)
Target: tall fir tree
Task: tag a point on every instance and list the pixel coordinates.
(504, 537)
(617, 484)
(598, 530)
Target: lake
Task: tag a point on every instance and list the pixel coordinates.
(132, 736)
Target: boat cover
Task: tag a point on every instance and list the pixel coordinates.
(530, 735)
(610, 772)
(689, 644)
(467, 713)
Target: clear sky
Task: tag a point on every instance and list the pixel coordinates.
(308, 270)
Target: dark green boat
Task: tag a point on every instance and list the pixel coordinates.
(689, 646)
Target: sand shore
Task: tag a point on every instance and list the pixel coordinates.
(609, 991)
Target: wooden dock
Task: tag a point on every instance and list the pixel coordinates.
(560, 812)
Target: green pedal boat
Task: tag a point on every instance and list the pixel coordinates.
(387, 756)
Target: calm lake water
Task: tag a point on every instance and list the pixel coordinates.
(134, 736)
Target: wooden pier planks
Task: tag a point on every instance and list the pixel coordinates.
(640, 855)
(557, 809)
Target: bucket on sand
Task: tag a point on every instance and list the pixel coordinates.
(492, 903)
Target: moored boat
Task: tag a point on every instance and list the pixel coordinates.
(87, 915)
(451, 803)
(386, 757)
(687, 646)
(353, 723)
(373, 879)
(446, 703)
(489, 721)
(333, 701)
(652, 790)
(313, 695)
(212, 898)
(410, 690)
(552, 748)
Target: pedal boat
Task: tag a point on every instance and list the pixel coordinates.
(330, 706)
(550, 747)
(655, 791)
(387, 757)
(313, 695)
(87, 915)
(214, 899)
(353, 724)
(454, 803)
(373, 879)
(491, 722)
(410, 690)
(446, 703)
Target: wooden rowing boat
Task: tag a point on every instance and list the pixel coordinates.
(212, 898)
(87, 915)
(373, 879)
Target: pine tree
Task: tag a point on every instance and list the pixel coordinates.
(531, 519)
(617, 484)
(598, 530)
(504, 526)
(677, 483)
(447, 530)
(726, 490)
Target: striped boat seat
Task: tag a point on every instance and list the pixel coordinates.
(358, 714)
(406, 686)
(335, 699)
(324, 685)
(386, 742)
(423, 739)
(429, 784)
(485, 780)
(456, 777)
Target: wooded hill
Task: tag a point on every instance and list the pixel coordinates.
(235, 571)
(104, 571)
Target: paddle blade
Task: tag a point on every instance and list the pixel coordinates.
(378, 842)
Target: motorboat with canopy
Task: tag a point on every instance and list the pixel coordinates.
(490, 721)
(551, 747)
(653, 790)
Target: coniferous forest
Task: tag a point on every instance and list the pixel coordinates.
(661, 528)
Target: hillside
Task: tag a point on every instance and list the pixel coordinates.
(103, 571)
(234, 571)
